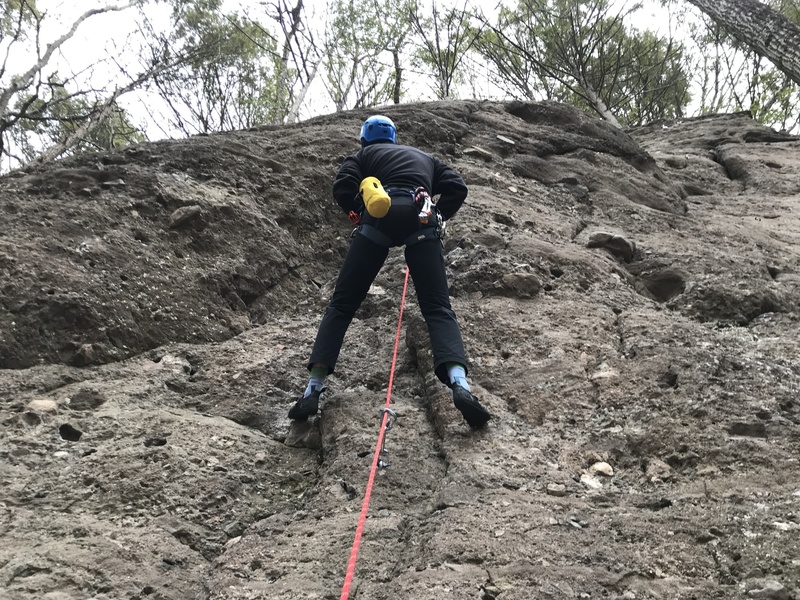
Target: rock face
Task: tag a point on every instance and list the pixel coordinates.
(628, 300)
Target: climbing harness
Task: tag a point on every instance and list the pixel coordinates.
(388, 418)
(375, 235)
(431, 224)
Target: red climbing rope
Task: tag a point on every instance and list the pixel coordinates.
(351, 564)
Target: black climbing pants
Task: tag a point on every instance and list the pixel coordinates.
(361, 265)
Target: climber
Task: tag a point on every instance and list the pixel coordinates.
(385, 189)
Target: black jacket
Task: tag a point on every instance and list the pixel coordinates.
(399, 167)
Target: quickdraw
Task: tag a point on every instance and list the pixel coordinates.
(383, 464)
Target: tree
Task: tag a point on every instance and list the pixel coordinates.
(15, 14)
(510, 47)
(236, 70)
(225, 70)
(69, 123)
(649, 79)
(33, 98)
(299, 59)
(363, 52)
(763, 29)
(731, 76)
(447, 36)
(578, 51)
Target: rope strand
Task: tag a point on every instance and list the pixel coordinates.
(351, 563)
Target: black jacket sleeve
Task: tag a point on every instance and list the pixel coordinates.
(451, 188)
(345, 186)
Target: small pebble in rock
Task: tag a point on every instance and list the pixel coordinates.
(657, 470)
(767, 590)
(601, 468)
(383, 513)
(556, 489)
(43, 405)
(577, 523)
(591, 482)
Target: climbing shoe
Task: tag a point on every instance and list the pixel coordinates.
(474, 412)
(306, 407)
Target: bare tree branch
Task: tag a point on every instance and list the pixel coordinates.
(18, 30)
(447, 45)
(22, 81)
(80, 133)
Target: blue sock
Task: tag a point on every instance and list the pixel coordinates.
(458, 375)
(316, 381)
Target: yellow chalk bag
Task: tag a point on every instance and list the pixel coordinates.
(376, 200)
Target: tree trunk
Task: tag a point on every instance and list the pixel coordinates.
(596, 102)
(766, 31)
(398, 76)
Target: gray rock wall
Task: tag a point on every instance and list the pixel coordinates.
(629, 304)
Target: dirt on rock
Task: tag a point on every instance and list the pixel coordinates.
(629, 301)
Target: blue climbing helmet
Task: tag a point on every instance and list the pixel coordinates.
(378, 128)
